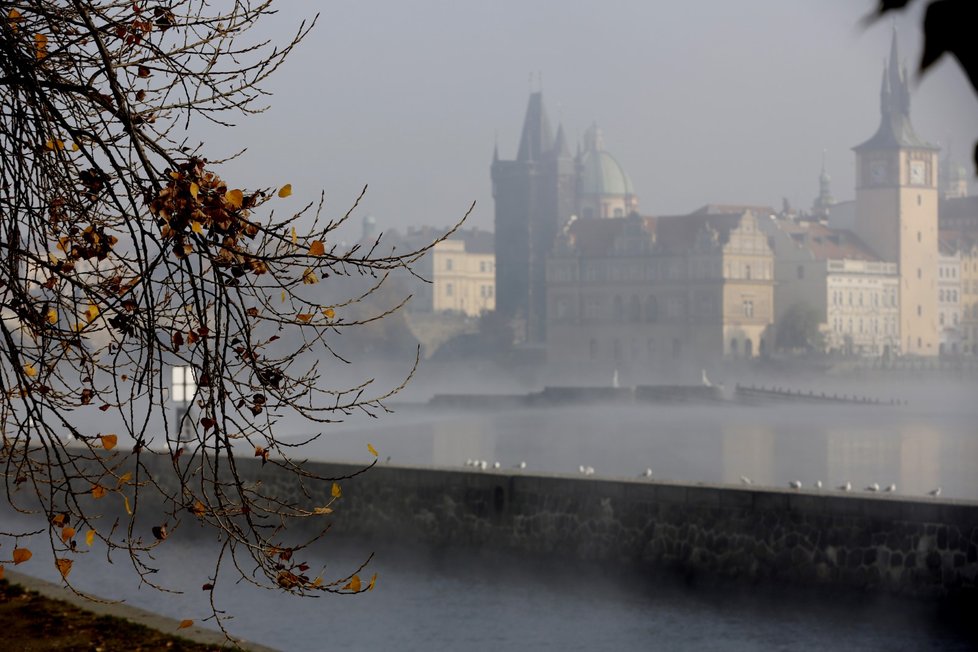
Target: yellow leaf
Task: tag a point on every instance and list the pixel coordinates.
(353, 584)
(198, 509)
(64, 566)
(29, 370)
(90, 537)
(67, 532)
(52, 316)
(295, 236)
(285, 191)
(40, 46)
(283, 296)
(234, 198)
(91, 312)
(336, 491)
(184, 624)
(329, 313)
(309, 277)
(196, 227)
(315, 582)
(98, 491)
(373, 582)
(109, 441)
(74, 147)
(125, 502)
(304, 317)
(323, 510)
(194, 189)
(124, 478)
(373, 451)
(21, 555)
(317, 248)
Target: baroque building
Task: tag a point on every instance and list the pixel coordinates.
(642, 293)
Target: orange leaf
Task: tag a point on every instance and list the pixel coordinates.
(52, 316)
(285, 191)
(194, 189)
(353, 584)
(29, 370)
(196, 227)
(90, 537)
(66, 533)
(198, 509)
(304, 317)
(329, 313)
(373, 582)
(21, 555)
(317, 248)
(295, 236)
(64, 566)
(98, 491)
(125, 501)
(184, 624)
(234, 198)
(323, 510)
(109, 441)
(336, 491)
(373, 451)
(124, 478)
(40, 46)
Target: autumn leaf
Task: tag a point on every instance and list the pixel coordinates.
(295, 236)
(98, 491)
(91, 312)
(234, 198)
(336, 491)
(90, 537)
(21, 555)
(329, 313)
(315, 582)
(323, 510)
(1, 571)
(109, 441)
(317, 248)
(125, 502)
(353, 584)
(64, 566)
(196, 227)
(304, 317)
(184, 624)
(66, 533)
(40, 46)
(373, 582)
(373, 451)
(29, 370)
(194, 189)
(198, 509)
(309, 277)
(52, 316)
(285, 191)
(124, 478)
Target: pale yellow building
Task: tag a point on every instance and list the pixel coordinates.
(464, 274)
(897, 207)
(643, 293)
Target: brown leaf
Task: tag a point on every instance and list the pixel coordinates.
(109, 441)
(66, 533)
(159, 531)
(184, 624)
(64, 566)
(233, 198)
(285, 191)
(98, 491)
(317, 248)
(20, 555)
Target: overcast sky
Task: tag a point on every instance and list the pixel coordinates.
(701, 101)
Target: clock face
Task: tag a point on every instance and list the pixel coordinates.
(877, 171)
(917, 172)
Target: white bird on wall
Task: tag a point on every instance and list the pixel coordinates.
(495, 465)
(818, 484)
(745, 479)
(873, 487)
(794, 484)
(521, 466)
(935, 492)
(483, 465)
(647, 473)
(845, 487)
(589, 470)
(891, 488)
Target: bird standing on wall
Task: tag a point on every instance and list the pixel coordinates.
(795, 484)
(873, 487)
(935, 493)
(745, 479)
(818, 484)
(891, 488)
(845, 487)
(647, 473)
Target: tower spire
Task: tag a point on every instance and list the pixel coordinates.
(537, 138)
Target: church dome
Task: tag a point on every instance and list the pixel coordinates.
(601, 174)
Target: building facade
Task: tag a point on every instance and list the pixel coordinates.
(464, 275)
(640, 293)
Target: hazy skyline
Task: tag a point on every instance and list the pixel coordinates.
(700, 102)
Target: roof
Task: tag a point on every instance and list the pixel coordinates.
(719, 209)
(959, 207)
(476, 241)
(827, 243)
(601, 174)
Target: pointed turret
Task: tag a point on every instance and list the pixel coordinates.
(823, 203)
(560, 144)
(895, 129)
(537, 138)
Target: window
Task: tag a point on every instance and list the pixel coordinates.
(482, 266)
(919, 236)
(448, 264)
(920, 311)
(449, 290)
(748, 308)
(747, 272)
(920, 273)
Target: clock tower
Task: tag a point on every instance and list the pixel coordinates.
(896, 208)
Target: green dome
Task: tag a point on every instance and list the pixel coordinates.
(601, 174)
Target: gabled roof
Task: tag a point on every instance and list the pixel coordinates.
(826, 243)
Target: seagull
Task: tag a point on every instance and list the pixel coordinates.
(521, 466)
(818, 484)
(705, 381)
(589, 470)
(935, 492)
(890, 488)
(468, 462)
(745, 479)
(581, 469)
(495, 465)
(647, 473)
(483, 465)
(794, 484)
(845, 487)
(873, 487)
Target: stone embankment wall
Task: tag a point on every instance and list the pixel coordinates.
(913, 546)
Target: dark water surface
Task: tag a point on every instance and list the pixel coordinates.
(455, 600)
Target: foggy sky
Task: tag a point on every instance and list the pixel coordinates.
(701, 101)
